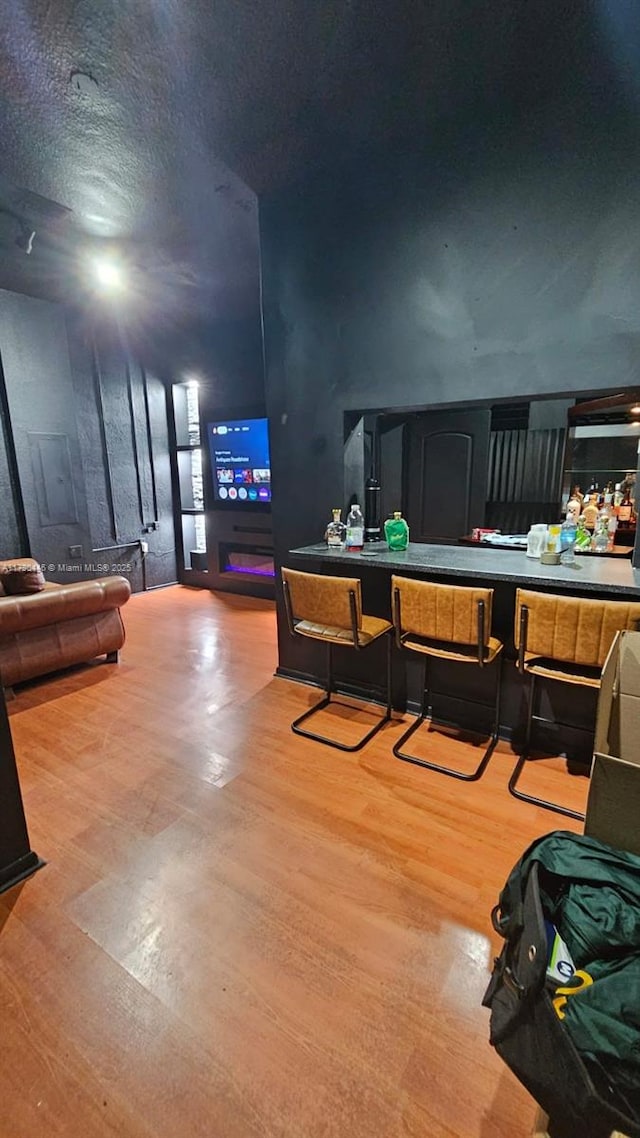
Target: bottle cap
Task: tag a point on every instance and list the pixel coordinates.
(397, 514)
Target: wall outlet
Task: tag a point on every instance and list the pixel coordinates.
(76, 551)
(144, 547)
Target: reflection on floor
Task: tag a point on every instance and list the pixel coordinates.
(239, 933)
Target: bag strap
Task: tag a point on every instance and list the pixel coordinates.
(508, 925)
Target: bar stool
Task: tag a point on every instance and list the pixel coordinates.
(447, 622)
(330, 609)
(565, 639)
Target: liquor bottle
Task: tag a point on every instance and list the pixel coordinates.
(396, 531)
(618, 495)
(590, 514)
(583, 537)
(625, 510)
(600, 543)
(608, 497)
(355, 529)
(335, 532)
(574, 507)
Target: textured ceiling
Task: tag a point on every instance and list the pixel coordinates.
(185, 90)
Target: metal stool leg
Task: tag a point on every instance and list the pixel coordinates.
(524, 758)
(297, 729)
(425, 712)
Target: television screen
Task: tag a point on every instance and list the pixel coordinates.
(240, 463)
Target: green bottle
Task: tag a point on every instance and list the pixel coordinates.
(396, 532)
(583, 537)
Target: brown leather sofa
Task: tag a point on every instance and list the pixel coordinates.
(58, 625)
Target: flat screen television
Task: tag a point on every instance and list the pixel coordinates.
(240, 462)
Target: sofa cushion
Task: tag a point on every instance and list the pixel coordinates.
(20, 578)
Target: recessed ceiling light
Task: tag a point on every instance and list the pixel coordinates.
(108, 274)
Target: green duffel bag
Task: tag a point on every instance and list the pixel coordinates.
(574, 1044)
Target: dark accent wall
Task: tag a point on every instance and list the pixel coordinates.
(85, 458)
(40, 399)
(494, 261)
(122, 419)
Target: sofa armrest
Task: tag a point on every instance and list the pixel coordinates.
(51, 606)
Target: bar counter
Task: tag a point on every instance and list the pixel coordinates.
(605, 575)
(503, 570)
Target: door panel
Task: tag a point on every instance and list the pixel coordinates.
(37, 373)
(446, 473)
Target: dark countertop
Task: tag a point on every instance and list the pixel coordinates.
(606, 575)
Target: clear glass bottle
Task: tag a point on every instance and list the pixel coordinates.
(600, 543)
(608, 494)
(355, 529)
(336, 531)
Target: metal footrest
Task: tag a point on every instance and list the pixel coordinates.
(473, 776)
(297, 729)
(524, 758)
(542, 802)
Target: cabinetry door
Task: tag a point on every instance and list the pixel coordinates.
(446, 473)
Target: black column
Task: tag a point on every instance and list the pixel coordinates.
(17, 859)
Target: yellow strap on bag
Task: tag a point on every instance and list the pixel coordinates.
(560, 998)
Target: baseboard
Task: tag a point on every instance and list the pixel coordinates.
(356, 691)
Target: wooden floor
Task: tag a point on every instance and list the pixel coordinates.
(238, 932)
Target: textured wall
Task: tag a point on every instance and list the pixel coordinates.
(494, 263)
(12, 525)
(37, 376)
(58, 378)
(122, 420)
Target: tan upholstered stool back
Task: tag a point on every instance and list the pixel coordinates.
(572, 629)
(323, 600)
(442, 612)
